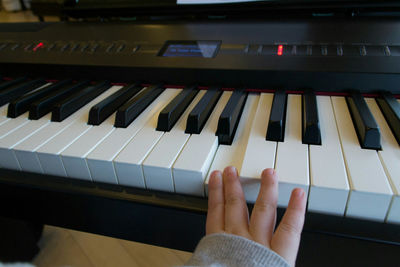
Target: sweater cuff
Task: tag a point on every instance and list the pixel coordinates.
(231, 250)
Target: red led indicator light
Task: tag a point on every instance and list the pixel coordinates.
(280, 50)
(39, 45)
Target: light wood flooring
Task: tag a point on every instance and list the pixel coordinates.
(22, 16)
(63, 247)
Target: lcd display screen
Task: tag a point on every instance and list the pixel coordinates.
(206, 49)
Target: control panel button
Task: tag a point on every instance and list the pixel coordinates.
(293, 50)
(28, 47)
(254, 49)
(120, 48)
(38, 46)
(277, 50)
(386, 50)
(75, 47)
(3, 45)
(324, 50)
(110, 48)
(363, 50)
(339, 50)
(15, 47)
(84, 47)
(135, 48)
(51, 47)
(94, 48)
(304, 50)
(394, 50)
(65, 47)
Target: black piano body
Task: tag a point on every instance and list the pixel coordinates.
(331, 56)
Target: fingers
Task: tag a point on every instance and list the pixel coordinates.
(236, 212)
(215, 215)
(286, 239)
(263, 217)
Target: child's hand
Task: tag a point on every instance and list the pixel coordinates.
(228, 213)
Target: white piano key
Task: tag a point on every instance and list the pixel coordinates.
(157, 167)
(370, 193)
(329, 189)
(192, 165)
(74, 157)
(233, 155)
(390, 159)
(12, 125)
(8, 158)
(9, 125)
(49, 153)
(3, 114)
(24, 151)
(292, 155)
(260, 153)
(100, 160)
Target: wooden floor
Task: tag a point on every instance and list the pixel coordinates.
(63, 247)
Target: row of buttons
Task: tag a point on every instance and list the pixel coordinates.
(69, 47)
(322, 50)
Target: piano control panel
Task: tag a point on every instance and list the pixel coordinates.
(321, 54)
(204, 48)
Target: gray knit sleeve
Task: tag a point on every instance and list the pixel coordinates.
(226, 250)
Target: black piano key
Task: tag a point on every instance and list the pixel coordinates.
(172, 112)
(68, 106)
(311, 130)
(230, 117)
(21, 104)
(130, 110)
(366, 127)
(19, 89)
(277, 118)
(45, 105)
(391, 111)
(6, 84)
(201, 112)
(101, 111)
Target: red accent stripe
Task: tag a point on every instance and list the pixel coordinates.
(257, 90)
(52, 81)
(119, 84)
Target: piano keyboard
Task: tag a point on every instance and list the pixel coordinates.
(342, 150)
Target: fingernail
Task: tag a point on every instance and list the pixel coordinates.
(216, 174)
(231, 170)
(270, 171)
(300, 192)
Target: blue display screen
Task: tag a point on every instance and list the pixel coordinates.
(205, 49)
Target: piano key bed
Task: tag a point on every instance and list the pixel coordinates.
(72, 148)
